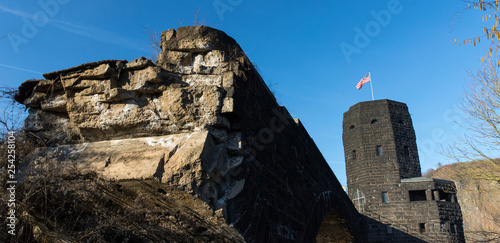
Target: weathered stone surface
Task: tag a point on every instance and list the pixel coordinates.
(50, 126)
(139, 63)
(384, 178)
(197, 39)
(477, 193)
(136, 103)
(201, 119)
(26, 90)
(85, 66)
(56, 104)
(49, 85)
(158, 158)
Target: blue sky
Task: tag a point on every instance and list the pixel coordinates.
(312, 54)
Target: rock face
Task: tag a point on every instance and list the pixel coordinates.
(201, 119)
(478, 191)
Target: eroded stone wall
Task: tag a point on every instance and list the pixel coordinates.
(201, 119)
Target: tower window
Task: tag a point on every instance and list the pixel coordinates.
(353, 154)
(453, 228)
(385, 198)
(400, 122)
(421, 227)
(443, 227)
(374, 121)
(444, 196)
(379, 150)
(417, 195)
(389, 228)
(351, 127)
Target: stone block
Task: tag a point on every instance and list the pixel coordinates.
(139, 63)
(228, 79)
(168, 35)
(197, 39)
(55, 104)
(48, 85)
(117, 94)
(228, 105)
(200, 79)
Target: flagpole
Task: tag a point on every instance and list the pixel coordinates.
(371, 86)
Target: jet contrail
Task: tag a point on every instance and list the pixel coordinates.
(15, 12)
(91, 32)
(18, 68)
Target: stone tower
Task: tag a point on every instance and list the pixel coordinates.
(384, 178)
(379, 143)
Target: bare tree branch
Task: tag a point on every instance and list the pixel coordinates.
(11, 113)
(195, 22)
(481, 110)
(154, 43)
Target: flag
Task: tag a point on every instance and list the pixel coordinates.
(364, 80)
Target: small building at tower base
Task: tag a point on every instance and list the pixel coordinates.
(385, 182)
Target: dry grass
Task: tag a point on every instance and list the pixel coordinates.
(73, 207)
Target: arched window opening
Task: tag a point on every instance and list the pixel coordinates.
(359, 201)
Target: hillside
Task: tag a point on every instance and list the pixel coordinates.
(478, 192)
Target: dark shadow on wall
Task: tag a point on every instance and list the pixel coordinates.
(376, 231)
(336, 227)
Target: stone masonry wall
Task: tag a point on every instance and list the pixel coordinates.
(282, 156)
(404, 140)
(368, 125)
(405, 217)
(201, 119)
(399, 205)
